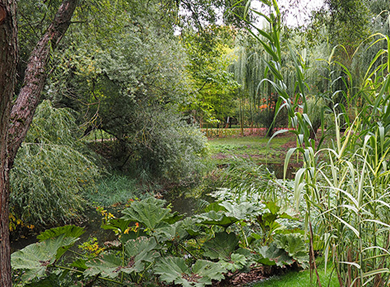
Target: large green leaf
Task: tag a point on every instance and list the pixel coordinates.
(138, 251)
(214, 206)
(293, 243)
(190, 226)
(208, 271)
(106, 265)
(248, 254)
(174, 270)
(295, 246)
(268, 218)
(217, 218)
(272, 255)
(68, 230)
(236, 262)
(221, 246)
(171, 233)
(171, 269)
(37, 257)
(149, 212)
(241, 210)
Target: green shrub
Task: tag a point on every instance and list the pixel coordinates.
(168, 148)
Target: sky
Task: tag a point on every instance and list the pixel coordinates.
(298, 11)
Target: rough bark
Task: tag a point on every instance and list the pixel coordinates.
(8, 63)
(35, 77)
(15, 121)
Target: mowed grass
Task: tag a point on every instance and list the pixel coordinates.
(256, 147)
(302, 279)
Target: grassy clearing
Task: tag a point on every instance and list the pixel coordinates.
(301, 279)
(255, 147)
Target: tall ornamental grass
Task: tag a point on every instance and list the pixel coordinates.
(344, 185)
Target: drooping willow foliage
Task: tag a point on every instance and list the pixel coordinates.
(52, 169)
(334, 73)
(257, 98)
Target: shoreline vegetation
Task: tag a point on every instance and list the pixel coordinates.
(240, 154)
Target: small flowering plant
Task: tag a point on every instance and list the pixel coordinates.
(106, 216)
(91, 247)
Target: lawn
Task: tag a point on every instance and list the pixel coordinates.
(301, 279)
(259, 148)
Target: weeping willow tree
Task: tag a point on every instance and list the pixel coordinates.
(371, 46)
(345, 49)
(52, 169)
(256, 98)
(337, 74)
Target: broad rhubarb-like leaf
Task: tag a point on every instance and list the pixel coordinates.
(272, 255)
(138, 252)
(68, 230)
(173, 232)
(221, 246)
(106, 265)
(36, 258)
(236, 262)
(295, 246)
(149, 212)
(241, 211)
(174, 270)
(216, 218)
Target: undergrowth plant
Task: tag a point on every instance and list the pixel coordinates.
(115, 189)
(155, 245)
(344, 186)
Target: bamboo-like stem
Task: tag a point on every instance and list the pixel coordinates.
(312, 257)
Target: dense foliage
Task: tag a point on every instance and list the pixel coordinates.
(210, 53)
(128, 74)
(130, 85)
(162, 246)
(344, 186)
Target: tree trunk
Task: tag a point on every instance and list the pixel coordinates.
(15, 121)
(8, 63)
(35, 77)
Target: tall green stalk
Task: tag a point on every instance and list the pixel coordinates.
(344, 186)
